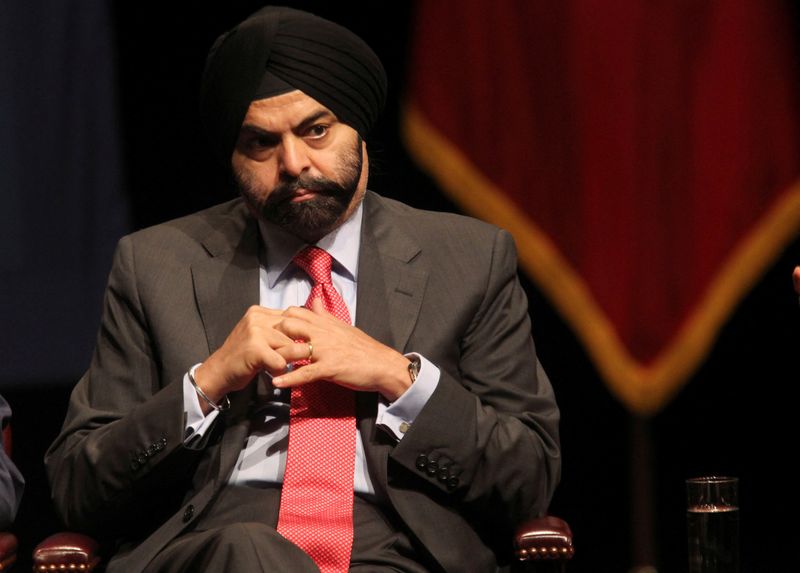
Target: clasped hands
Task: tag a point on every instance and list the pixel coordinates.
(270, 340)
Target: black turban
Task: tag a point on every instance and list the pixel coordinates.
(280, 49)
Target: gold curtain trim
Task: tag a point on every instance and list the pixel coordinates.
(643, 389)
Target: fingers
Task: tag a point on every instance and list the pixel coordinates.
(258, 325)
(318, 308)
(263, 313)
(272, 361)
(316, 314)
(250, 348)
(296, 351)
(301, 323)
(297, 329)
(796, 279)
(298, 377)
(299, 312)
(336, 352)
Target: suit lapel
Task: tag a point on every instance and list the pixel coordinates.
(390, 291)
(226, 284)
(390, 286)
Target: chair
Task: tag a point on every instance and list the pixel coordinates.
(542, 544)
(8, 550)
(8, 542)
(66, 552)
(59, 552)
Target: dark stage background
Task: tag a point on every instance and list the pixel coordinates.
(100, 135)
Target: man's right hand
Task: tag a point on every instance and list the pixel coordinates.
(251, 347)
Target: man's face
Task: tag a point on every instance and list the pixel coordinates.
(297, 166)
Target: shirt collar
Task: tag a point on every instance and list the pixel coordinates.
(343, 244)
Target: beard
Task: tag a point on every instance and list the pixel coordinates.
(315, 217)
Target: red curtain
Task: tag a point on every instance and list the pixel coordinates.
(643, 153)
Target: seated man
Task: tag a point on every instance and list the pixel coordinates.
(11, 482)
(309, 377)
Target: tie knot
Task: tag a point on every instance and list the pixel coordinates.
(316, 263)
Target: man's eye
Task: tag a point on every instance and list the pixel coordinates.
(262, 142)
(318, 131)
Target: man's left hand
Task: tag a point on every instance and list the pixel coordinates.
(342, 354)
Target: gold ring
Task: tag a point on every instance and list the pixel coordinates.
(310, 350)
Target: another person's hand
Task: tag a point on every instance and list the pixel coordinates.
(342, 354)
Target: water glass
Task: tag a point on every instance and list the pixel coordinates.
(712, 515)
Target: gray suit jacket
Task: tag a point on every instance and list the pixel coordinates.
(482, 455)
(11, 482)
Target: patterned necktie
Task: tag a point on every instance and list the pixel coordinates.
(316, 510)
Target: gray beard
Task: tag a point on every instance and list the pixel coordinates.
(316, 217)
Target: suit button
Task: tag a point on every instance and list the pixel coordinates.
(152, 449)
(422, 462)
(432, 468)
(444, 474)
(188, 513)
(452, 483)
(163, 442)
(141, 459)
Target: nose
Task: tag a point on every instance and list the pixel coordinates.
(294, 158)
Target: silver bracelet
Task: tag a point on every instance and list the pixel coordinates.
(226, 402)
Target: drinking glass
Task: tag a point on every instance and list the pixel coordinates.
(712, 515)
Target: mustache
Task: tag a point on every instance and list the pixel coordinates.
(285, 190)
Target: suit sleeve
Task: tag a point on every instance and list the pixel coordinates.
(11, 482)
(487, 440)
(120, 449)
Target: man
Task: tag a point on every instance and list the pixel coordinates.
(11, 482)
(180, 442)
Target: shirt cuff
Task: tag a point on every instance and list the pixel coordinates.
(197, 423)
(398, 416)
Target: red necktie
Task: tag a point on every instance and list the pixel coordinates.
(317, 497)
